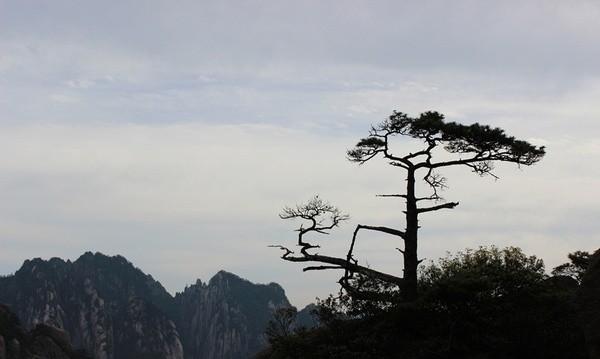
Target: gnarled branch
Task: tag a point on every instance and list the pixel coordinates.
(345, 264)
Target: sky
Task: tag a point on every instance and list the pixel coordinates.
(174, 132)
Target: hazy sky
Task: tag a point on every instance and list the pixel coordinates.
(173, 132)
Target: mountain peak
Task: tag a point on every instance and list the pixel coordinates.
(101, 257)
(39, 264)
(224, 275)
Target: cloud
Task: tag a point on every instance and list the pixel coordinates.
(174, 133)
(81, 83)
(534, 37)
(207, 197)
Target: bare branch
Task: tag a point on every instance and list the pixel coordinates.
(306, 269)
(314, 212)
(391, 195)
(433, 197)
(398, 164)
(287, 250)
(448, 205)
(398, 160)
(387, 230)
(431, 142)
(351, 267)
(349, 255)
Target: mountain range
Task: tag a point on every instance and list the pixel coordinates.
(113, 310)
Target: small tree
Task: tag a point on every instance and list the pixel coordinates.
(475, 146)
(576, 268)
(282, 324)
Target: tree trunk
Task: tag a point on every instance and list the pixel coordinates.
(410, 241)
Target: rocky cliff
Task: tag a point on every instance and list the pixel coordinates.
(42, 342)
(227, 317)
(110, 308)
(115, 311)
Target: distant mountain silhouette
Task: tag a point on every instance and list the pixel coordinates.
(115, 311)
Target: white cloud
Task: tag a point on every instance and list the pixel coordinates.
(174, 135)
(81, 83)
(213, 191)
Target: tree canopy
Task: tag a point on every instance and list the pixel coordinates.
(477, 303)
(483, 143)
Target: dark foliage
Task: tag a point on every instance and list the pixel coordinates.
(282, 324)
(488, 143)
(579, 262)
(589, 305)
(484, 303)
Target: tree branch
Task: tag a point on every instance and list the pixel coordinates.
(398, 164)
(387, 230)
(345, 264)
(448, 205)
(287, 250)
(479, 157)
(391, 195)
(306, 269)
(431, 143)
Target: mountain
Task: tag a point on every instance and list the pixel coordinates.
(42, 342)
(115, 311)
(227, 317)
(306, 317)
(109, 307)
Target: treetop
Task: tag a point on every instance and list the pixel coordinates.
(482, 142)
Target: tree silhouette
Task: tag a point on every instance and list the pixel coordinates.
(576, 268)
(474, 146)
(282, 323)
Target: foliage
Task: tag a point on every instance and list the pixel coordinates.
(482, 303)
(488, 143)
(500, 300)
(589, 304)
(576, 268)
(282, 324)
(347, 306)
(490, 272)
